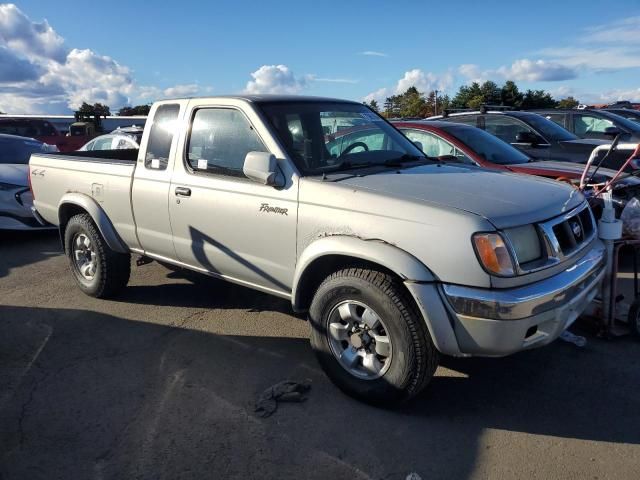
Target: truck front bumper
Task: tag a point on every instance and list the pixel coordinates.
(497, 322)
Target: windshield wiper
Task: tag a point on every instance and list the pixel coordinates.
(406, 158)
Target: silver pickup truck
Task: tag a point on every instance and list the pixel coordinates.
(396, 257)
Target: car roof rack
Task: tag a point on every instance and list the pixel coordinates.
(484, 108)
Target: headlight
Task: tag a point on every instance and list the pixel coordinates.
(493, 254)
(525, 243)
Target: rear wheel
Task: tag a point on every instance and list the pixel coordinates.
(98, 270)
(369, 337)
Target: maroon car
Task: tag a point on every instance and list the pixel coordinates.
(41, 130)
(458, 142)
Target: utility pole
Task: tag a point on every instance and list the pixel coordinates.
(435, 103)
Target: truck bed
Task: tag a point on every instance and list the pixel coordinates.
(103, 176)
(108, 156)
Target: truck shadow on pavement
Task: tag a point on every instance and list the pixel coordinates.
(40, 245)
(92, 395)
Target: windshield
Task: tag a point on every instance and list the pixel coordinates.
(322, 137)
(621, 121)
(548, 128)
(633, 115)
(491, 148)
(18, 150)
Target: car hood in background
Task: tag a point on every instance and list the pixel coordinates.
(583, 145)
(15, 174)
(505, 199)
(560, 169)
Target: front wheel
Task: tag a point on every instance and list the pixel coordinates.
(99, 271)
(369, 337)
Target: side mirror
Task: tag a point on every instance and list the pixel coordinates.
(419, 145)
(612, 131)
(526, 137)
(262, 167)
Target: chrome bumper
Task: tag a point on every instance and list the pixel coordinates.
(499, 322)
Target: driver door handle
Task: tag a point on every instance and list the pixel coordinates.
(182, 192)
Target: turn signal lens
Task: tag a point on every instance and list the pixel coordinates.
(493, 253)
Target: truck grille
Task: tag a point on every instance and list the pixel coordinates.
(568, 234)
(561, 238)
(572, 232)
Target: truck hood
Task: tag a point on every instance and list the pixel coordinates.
(15, 174)
(504, 199)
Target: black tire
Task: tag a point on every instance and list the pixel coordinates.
(112, 269)
(633, 318)
(415, 357)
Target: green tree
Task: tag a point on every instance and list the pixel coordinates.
(538, 99)
(510, 95)
(491, 93)
(412, 103)
(137, 110)
(95, 109)
(392, 106)
(568, 102)
(465, 94)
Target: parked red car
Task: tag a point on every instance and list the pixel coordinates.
(458, 142)
(43, 131)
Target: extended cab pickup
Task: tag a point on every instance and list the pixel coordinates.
(395, 256)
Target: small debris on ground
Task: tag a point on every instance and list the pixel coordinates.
(285, 391)
(577, 340)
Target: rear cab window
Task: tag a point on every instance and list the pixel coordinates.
(163, 129)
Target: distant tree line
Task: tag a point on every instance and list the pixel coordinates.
(413, 103)
(103, 110)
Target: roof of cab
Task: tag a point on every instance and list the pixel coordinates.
(271, 98)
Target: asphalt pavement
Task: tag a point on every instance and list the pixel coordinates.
(161, 383)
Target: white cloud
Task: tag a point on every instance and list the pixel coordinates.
(14, 68)
(31, 39)
(521, 70)
(423, 81)
(537, 71)
(181, 90)
(40, 74)
(596, 58)
(626, 31)
(87, 76)
(372, 53)
(275, 79)
(611, 46)
(379, 95)
(472, 72)
(332, 80)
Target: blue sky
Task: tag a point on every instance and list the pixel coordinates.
(120, 52)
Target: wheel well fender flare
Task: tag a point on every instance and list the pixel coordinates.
(74, 203)
(392, 258)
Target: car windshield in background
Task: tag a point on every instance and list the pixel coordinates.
(549, 129)
(323, 137)
(633, 115)
(624, 122)
(491, 148)
(27, 128)
(18, 150)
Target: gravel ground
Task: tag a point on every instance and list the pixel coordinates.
(161, 383)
